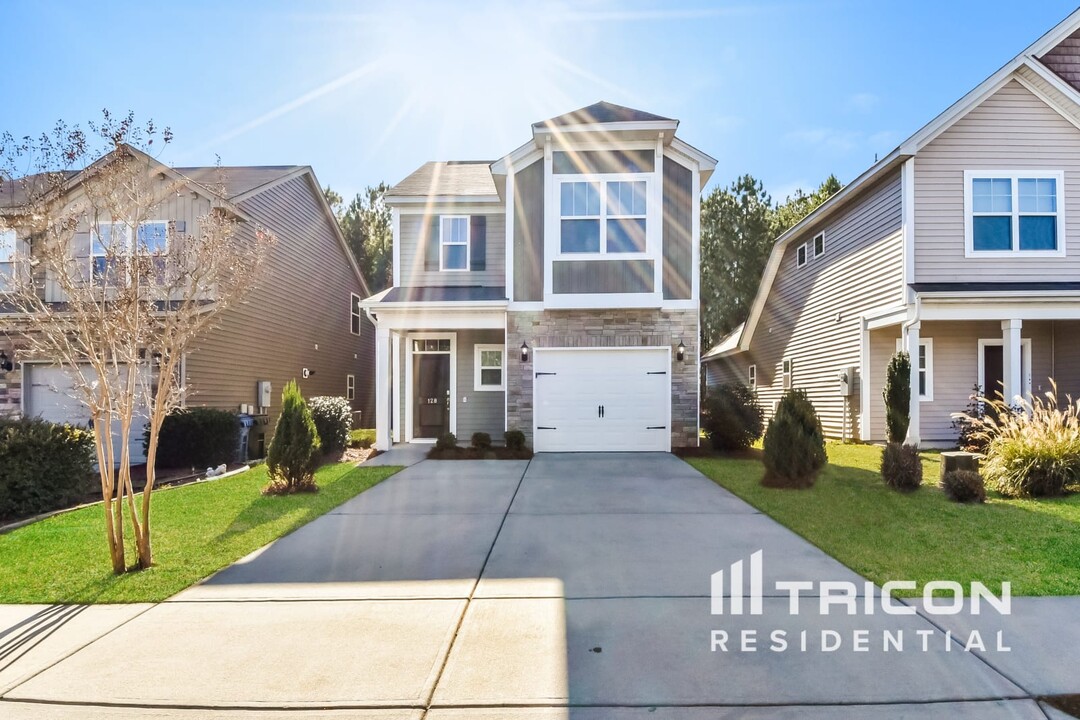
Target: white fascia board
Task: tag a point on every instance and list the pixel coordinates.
(605, 128)
(451, 209)
(425, 318)
(436, 199)
(519, 157)
(706, 162)
(375, 305)
(984, 309)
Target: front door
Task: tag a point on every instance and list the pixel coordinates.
(431, 416)
(992, 361)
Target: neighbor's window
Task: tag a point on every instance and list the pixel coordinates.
(350, 387)
(603, 216)
(1015, 213)
(819, 244)
(489, 367)
(925, 367)
(752, 377)
(110, 245)
(354, 313)
(800, 256)
(7, 258)
(454, 242)
(787, 374)
(152, 240)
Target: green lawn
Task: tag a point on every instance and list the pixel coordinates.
(885, 535)
(197, 530)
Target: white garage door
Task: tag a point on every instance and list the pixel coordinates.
(602, 400)
(51, 396)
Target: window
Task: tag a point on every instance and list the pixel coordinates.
(752, 377)
(354, 313)
(110, 245)
(787, 374)
(819, 244)
(603, 216)
(432, 345)
(7, 258)
(800, 256)
(1014, 213)
(152, 240)
(925, 367)
(350, 387)
(489, 367)
(454, 242)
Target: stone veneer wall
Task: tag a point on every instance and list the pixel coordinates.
(10, 382)
(605, 328)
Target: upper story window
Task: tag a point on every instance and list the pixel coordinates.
(7, 258)
(800, 255)
(819, 245)
(111, 244)
(603, 216)
(454, 242)
(751, 379)
(354, 313)
(1014, 213)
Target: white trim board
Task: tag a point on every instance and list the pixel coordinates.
(409, 337)
(1025, 378)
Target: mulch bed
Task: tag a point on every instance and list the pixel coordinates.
(495, 453)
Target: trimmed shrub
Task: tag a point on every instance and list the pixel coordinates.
(794, 447)
(481, 441)
(333, 421)
(196, 438)
(363, 438)
(514, 439)
(1034, 452)
(446, 441)
(963, 486)
(44, 466)
(294, 451)
(901, 468)
(897, 396)
(731, 417)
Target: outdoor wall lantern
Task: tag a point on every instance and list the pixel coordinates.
(680, 352)
(5, 362)
(524, 353)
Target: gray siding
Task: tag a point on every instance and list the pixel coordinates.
(1012, 129)
(529, 233)
(1066, 354)
(812, 314)
(602, 276)
(299, 316)
(678, 231)
(414, 230)
(1065, 59)
(477, 411)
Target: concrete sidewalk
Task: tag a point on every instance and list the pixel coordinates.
(572, 586)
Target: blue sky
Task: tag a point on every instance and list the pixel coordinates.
(363, 92)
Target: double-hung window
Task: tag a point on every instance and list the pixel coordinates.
(751, 379)
(354, 313)
(454, 242)
(603, 216)
(350, 387)
(786, 373)
(152, 241)
(8, 240)
(489, 367)
(111, 248)
(1014, 213)
(925, 367)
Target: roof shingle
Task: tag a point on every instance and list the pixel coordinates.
(453, 178)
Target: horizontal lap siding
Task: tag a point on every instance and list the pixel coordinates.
(413, 228)
(861, 270)
(483, 410)
(1013, 129)
(303, 301)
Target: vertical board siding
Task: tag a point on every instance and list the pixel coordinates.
(678, 231)
(303, 301)
(1012, 129)
(413, 274)
(602, 276)
(813, 313)
(477, 410)
(529, 233)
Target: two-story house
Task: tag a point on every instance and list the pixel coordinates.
(553, 291)
(962, 247)
(302, 321)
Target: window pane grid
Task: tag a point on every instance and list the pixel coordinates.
(599, 217)
(1014, 214)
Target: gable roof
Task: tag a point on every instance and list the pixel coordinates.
(1029, 59)
(444, 179)
(601, 112)
(236, 180)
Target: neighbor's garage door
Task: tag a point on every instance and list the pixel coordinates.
(51, 396)
(602, 400)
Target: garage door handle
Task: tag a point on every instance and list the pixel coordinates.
(657, 372)
(545, 373)
(541, 427)
(656, 427)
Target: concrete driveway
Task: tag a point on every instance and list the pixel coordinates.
(571, 586)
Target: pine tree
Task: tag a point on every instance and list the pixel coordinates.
(294, 451)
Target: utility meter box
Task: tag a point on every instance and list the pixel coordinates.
(846, 379)
(263, 393)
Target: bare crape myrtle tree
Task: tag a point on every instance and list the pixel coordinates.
(108, 284)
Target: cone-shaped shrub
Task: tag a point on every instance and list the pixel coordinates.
(294, 451)
(794, 448)
(897, 396)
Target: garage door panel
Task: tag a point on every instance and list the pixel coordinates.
(632, 386)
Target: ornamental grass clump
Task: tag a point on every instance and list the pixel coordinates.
(1032, 450)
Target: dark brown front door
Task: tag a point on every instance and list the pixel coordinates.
(993, 371)
(432, 412)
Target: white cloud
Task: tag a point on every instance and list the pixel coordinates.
(863, 102)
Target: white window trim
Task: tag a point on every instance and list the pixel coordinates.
(5, 236)
(130, 233)
(603, 179)
(355, 311)
(350, 387)
(443, 243)
(409, 400)
(1014, 176)
(787, 372)
(751, 377)
(927, 343)
(477, 385)
(1025, 378)
(802, 254)
(814, 242)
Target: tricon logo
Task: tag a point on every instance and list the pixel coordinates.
(734, 580)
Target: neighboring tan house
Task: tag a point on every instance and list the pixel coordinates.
(962, 246)
(554, 291)
(303, 320)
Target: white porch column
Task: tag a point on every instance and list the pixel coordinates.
(1010, 356)
(396, 340)
(382, 388)
(911, 347)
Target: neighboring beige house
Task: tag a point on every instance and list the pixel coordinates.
(962, 246)
(302, 321)
(554, 291)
